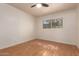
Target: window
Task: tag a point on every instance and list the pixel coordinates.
(53, 23)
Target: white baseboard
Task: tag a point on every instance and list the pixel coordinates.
(13, 44)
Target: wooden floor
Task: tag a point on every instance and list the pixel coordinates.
(39, 47)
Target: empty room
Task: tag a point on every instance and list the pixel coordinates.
(39, 29)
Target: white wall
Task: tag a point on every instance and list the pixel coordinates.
(78, 25)
(67, 34)
(15, 26)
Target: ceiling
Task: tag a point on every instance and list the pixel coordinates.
(53, 7)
